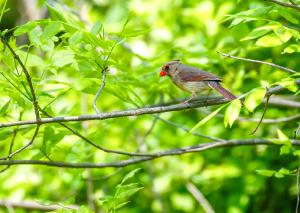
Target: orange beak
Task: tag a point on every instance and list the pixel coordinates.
(162, 73)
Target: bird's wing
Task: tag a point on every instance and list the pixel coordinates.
(188, 73)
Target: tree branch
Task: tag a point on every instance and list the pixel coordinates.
(284, 102)
(293, 6)
(28, 78)
(197, 194)
(32, 205)
(99, 90)
(271, 121)
(179, 151)
(259, 62)
(200, 102)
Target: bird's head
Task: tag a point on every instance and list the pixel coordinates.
(169, 67)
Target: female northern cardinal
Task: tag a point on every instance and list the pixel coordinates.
(193, 80)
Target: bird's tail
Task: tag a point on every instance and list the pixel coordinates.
(215, 85)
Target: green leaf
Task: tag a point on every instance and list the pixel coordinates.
(87, 68)
(96, 28)
(292, 48)
(5, 107)
(129, 175)
(254, 98)
(4, 134)
(62, 58)
(288, 16)
(121, 205)
(282, 172)
(236, 21)
(285, 149)
(47, 45)
(134, 32)
(283, 138)
(125, 191)
(207, 118)
(265, 172)
(270, 40)
(289, 83)
(34, 36)
(283, 33)
(25, 28)
(258, 32)
(75, 38)
(51, 30)
(232, 112)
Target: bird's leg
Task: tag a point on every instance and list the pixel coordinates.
(194, 95)
(209, 91)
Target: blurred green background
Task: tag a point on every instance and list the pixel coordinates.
(66, 69)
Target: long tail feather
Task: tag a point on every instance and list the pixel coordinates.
(221, 90)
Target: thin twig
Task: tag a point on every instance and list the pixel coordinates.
(33, 205)
(23, 147)
(10, 148)
(293, 6)
(258, 61)
(105, 68)
(28, 78)
(262, 116)
(197, 194)
(99, 90)
(3, 10)
(179, 151)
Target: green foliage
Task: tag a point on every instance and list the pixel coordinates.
(65, 55)
(232, 112)
(124, 191)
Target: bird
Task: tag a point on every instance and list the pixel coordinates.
(194, 80)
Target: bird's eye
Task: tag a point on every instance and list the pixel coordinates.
(166, 67)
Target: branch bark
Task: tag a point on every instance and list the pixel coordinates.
(293, 6)
(32, 205)
(179, 151)
(200, 102)
(259, 62)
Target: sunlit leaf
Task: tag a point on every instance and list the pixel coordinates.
(232, 112)
(96, 28)
(292, 48)
(254, 98)
(205, 119)
(4, 108)
(258, 32)
(129, 175)
(268, 173)
(51, 30)
(270, 40)
(25, 28)
(289, 83)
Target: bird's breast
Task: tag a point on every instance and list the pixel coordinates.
(192, 86)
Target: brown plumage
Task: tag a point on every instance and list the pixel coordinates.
(193, 80)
